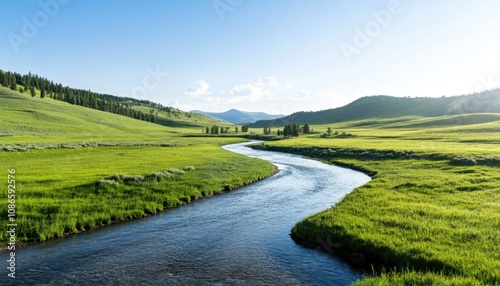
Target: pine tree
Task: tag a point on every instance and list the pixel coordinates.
(295, 130)
(33, 92)
(42, 93)
(306, 129)
(2, 78)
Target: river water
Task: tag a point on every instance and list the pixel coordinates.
(238, 238)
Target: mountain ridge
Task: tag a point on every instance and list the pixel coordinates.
(236, 116)
(384, 106)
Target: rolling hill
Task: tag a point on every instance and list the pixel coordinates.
(238, 117)
(33, 119)
(371, 107)
(37, 86)
(25, 116)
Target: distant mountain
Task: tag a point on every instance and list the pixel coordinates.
(382, 106)
(238, 117)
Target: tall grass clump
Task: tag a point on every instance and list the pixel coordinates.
(107, 183)
(135, 179)
(174, 171)
(158, 176)
(188, 168)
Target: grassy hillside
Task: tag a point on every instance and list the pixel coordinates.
(174, 117)
(430, 215)
(394, 107)
(76, 168)
(34, 120)
(36, 86)
(22, 116)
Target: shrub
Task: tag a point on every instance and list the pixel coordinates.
(174, 171)
(133, 179)
(107, 183)
(116, 177)
(188, 168)
(157, 176)
(490, 161)
(463, 161)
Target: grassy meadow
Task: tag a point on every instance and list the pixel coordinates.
(425, 218)
(77, 168)
(430, 216)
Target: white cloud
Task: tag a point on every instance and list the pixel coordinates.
(247, 92)
(261, 91)
(302, 95)
(285, 86)
(199, 88)
(270, 81)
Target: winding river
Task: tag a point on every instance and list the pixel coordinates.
(238, 238)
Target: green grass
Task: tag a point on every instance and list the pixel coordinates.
(473, 139)
(415, 278)
(422, 213)
(23, 116)
(61, 152)
(57, 193)
(428, 220)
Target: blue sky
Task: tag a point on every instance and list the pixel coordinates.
(276, 56)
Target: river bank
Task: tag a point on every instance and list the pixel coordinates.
(239, 238)
(422, 224)
(56, 203)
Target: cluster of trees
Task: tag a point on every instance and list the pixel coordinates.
(219, 130)
(86, 98)
(225, 130)
(267, 130)
(293, 129)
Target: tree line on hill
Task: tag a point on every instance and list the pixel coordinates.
(86, 98)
